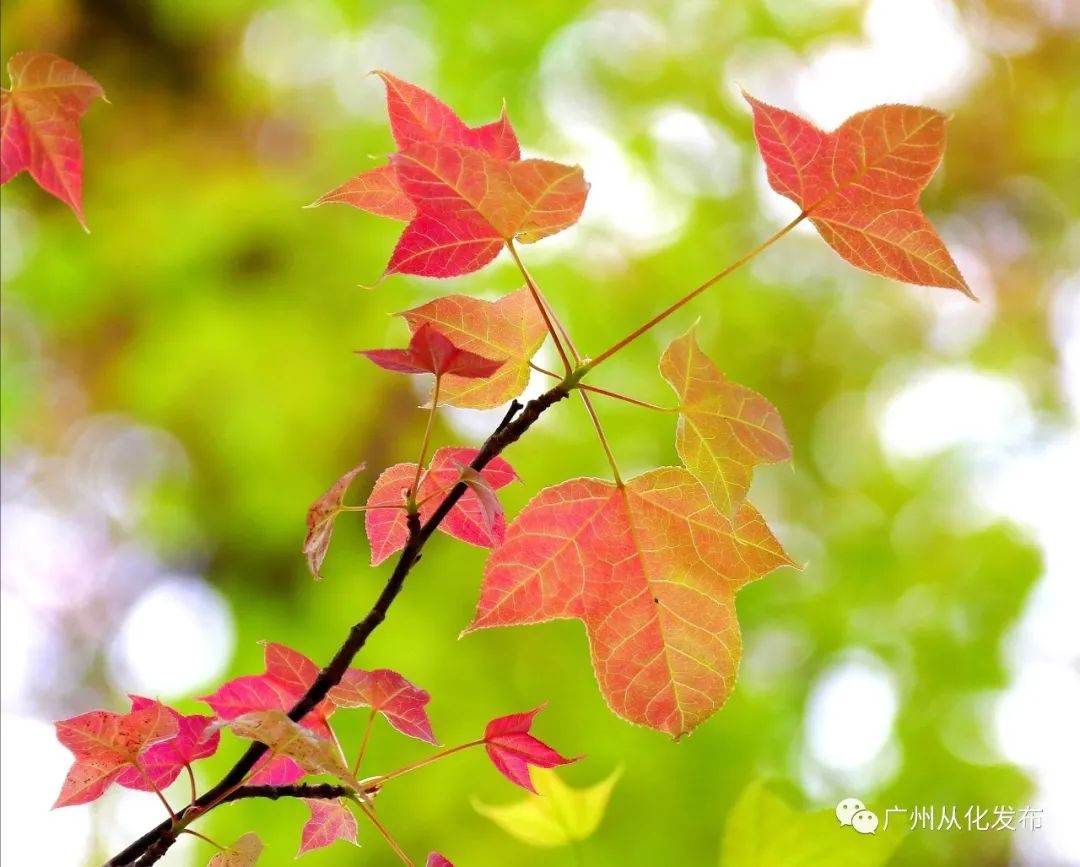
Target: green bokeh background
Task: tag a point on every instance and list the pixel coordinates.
(208, 304)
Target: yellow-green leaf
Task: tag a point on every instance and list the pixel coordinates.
(725, 429)
(557, 815)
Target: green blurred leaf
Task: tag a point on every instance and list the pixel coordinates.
(763, 830)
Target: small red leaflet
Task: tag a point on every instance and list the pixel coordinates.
(471, 520)
(512, 749)
(39, 117)
(431, 352)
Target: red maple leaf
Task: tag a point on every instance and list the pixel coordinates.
(330, 820)
(388, 693)
(39, 124)
(470, 204)
(470, 520)
(431, 352)
(651, 568)
(860, 186)
(512, 749)
(434, 859)
(464, 191)
(105, 744)
(163, 762)
(511, 327)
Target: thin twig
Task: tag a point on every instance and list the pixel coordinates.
(691, 295)
(617, 395)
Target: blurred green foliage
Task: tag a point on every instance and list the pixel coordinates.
(207, 303)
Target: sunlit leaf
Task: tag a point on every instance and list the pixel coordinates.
(459, 187)
(243, 853)
(557, 814)
(510, 328)
(39, 124)
(860, 185)
(105, 744)
(376, 191)
(314, 754)
(384, 691)
(163, 762)
(651, 569)
(418, 116)
(724, 429)
(330, 820)
(442, 246)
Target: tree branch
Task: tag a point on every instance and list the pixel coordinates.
(318, 791)
(151, 846)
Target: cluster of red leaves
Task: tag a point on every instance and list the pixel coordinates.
(464, 191)
(477, 518)
(650, 567)
(148, 747)
(288, 675)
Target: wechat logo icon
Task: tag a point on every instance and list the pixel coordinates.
(853, 812)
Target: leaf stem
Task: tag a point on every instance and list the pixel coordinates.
(154, 788)
(424, 444)
(337, 742)
(204, 838)
(545, 312)
(404, 769)
(191, 781)
(385, 833)
(591, 410)
(690, 296)
(607, 393)
(364, 742)
(548, 313)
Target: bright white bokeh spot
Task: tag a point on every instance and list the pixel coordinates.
(288, 46)
(35, 764)
(914, 51)
(850, 715)
(395, 45)
(955, 324)
(954, 406)
(697, 156)
(178, 636)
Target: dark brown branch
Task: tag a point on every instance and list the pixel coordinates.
(319, 791)
(150, 847)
